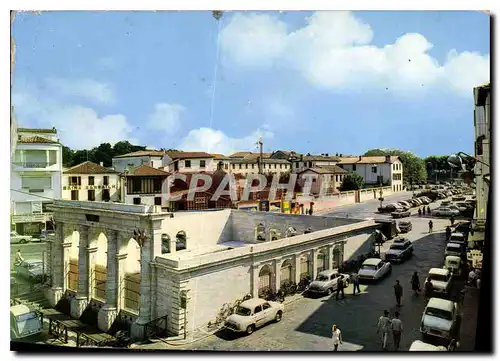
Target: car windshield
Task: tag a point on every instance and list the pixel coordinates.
(243, 311)
(35, 265)
(369, 267)
(439, 278)
(26, 317)
(453, 248)
(452, 262)
(398, 246)
(436, 312)
(321, 278)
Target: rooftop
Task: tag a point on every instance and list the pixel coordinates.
(327, 169)
(254, 161)
(321, 157)
(188, 155)
(36, 130)
(89, 168)
(372, 261)
(440, 304)
(36, 140)
(439, 271)
(367, 160)
(142, 153)
(145, 170)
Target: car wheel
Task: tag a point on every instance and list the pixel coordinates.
(22, 241)
(279, 316)
(250, 329)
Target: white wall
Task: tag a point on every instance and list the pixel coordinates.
(210, 164)
(120, 164)
(147, 200)
(114, 192)
(267, 168)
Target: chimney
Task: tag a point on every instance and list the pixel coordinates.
(359, 158)
(101, 164)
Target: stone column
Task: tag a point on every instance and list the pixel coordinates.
(255, 280)
(330, 256)
(120, 283)
(277, 274)
(107, 314)
(80, 302)
(314, 255)
(297, 269)
(55, 293)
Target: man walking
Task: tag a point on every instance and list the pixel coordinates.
(448, 233)
(19, 257)
(397, 328)
(340, 287)
(336, 337)
(430, 226)
(398, 292)
(383, 328)
(355, 283)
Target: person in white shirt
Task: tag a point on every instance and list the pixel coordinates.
(383, 327)
(19, 257)
(397, 328)
(336, 337)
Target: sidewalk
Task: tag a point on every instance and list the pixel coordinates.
(469, 319)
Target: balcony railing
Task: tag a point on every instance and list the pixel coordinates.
(33, 164)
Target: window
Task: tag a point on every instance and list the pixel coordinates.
(157, 185)
(136, 185)
(354, 167)
(157, 201)
(74, 195)
(105, 195)
(275, 166)
(336, 178)
(253, 166)
(305, 164)
(165, 243)
(202, 163)
(374, 169)
(296, 164)
(234, 166)
(266, 306)
(226, 166)
(246, 166)
(258, 309)
(239, 166)
(91, 195)
(91, 180)
(187, 164)
(36, 183)
(137, 200)
(281, 166)
(105, 180)
(75, 181)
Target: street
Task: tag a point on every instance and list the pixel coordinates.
(306, 324)
(28, 251)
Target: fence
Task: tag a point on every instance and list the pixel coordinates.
(99, 282)
(132, 291)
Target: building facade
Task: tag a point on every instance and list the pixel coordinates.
(189, 162)
(36, 173)
(303, 162)
(91, 182)
(325, 180)
(152, 158)
(144, 185)
(134, 262)
(377, 170)
(244, 166)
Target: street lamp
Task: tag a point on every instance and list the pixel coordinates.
(140, 237)
(464, 161)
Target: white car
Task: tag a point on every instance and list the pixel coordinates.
(440, 279)
(422, 346)
(455, 264)
(454, 207)
(326, 282)
(439, 319)
(454, 249)
(445, 211)
(254, 313)
(17, 238)
(374, 269)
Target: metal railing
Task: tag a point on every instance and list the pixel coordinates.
(156, 328)
(132, 291)
(34, 164)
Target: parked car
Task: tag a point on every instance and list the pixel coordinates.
(399, 213)
(455, 264)
(455, 249)
(406, 204)
(458, 198)
(440, 319)
(252, 314)
(456, 208)
(405, 226)
(399, 251)
(463, 227)
(422, 346)
(24, 322)
(444, 211)
(374, 269)
(326, 282)
(441, 280)
(445, 203)
(17, 238)
(31, 269)
(424, 200)
(388, 208)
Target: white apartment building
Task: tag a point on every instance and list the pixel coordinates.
(36, 171)
(246, 166)
(385, 170)
(189, 162)
(91, 182)
(152, 158)
(303, 162)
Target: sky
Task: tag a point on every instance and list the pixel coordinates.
(313, 82)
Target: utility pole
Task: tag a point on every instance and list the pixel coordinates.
(259, 143)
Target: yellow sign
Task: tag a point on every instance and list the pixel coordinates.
(286, 206)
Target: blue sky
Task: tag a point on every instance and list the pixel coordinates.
(324, 82)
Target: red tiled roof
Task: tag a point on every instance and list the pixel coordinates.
(145, 170)
(188, 155)
(368, 160)
(219, 156)
(142, 153)
(36, 139)
(89, 168)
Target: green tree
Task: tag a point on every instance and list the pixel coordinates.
(103, 153)
(67, 156)
(352, 181)
(414, 168)
(124, 147)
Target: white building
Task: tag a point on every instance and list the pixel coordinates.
(189, 162)
(152, 158)
(138, 279)
(303, 162)
(223, 162)
(246, 166)
(36, 172)
(326, 179)
(144, 185)
(378, 170)
(91, 182)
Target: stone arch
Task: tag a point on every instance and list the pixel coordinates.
(165, 244)
(100, 265)
(286, 272)
(305, 266)
(132, 279)
(321, 261)
(265, 278)
(181, 241)
(72, 270)
(336, 256)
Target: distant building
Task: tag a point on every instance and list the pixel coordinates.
(329, 178)
(91, 182)
(152, 158)
(250, 165)
(144, 185)
(36, 172)
(221, 162)
(189, 162)
(379, 170)
(303, 162)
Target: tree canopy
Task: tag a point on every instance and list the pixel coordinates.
(103, 153)
(351, 182)
(414, 168)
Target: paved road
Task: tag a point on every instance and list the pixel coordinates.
(306, 325)
(29, 251)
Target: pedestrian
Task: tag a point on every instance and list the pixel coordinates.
(472, 278)
(397, 329)
(19, 257)
(430, 226)
(355, 283)
(398, 292)
(448, 233)
(428, 288)
(383, 328)
(428, 210)
(340, 287)
(452, 220)
(336, 337)
(415, 283)
(420, 212)
(310, 211)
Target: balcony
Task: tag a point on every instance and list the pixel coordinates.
(33, 165)
(31, 217)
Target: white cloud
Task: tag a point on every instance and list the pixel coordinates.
(215, 141)
(98, 92)
(333, 51)
(166, 117)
